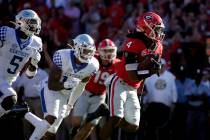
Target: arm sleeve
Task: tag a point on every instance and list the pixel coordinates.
(131, 61)
(57, 59)
(3, 31)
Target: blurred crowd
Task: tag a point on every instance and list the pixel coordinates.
(186, 56)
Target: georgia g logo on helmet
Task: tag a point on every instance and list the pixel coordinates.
(147, 17)
(151, 25)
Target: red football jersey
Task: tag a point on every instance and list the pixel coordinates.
(96, 83)
(134, 46)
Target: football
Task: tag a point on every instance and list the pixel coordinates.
(145, 62)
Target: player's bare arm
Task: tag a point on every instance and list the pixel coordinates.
(54, 79)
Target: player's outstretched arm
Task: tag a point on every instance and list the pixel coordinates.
(76, 93)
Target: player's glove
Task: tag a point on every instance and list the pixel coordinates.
(35, 58)
(156, 66)
(71, 83)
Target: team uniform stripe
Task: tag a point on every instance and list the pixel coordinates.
(109, 93)
(44, 109)
(112, 94)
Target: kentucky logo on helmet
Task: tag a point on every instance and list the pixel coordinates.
(28, 14)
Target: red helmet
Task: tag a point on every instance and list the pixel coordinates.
(151, 24)
(107, 49)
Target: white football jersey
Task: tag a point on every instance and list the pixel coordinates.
(66, 61)
(15, 53)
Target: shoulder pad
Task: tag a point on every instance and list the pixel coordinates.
(3, 31)
(95, 63)
(36, 43)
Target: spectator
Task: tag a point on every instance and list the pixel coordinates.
(160, 97)
(197, 93)
(56, 3)
(180, 110)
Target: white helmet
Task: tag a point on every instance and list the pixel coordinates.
(84, 47)
(28, 21)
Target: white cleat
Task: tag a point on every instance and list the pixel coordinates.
(40, 130)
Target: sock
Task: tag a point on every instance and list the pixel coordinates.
(33, 119)
(2, 111)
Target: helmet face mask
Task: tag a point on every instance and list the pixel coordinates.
(159, 35)
(86, 54)
(84, 48)
(151, 25)
(28, 22)
(108, 53)
(107, 50)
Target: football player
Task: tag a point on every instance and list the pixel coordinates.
(68, 76)
(142, 51)
(19, 47)
(95, 91)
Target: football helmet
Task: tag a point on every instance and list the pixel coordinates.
(151, 25)
(28, 21)
(84, 47)
(107, 50)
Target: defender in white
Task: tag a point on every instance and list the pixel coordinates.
(67, 79)
(19, 47)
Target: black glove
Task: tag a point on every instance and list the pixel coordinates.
(156, 66)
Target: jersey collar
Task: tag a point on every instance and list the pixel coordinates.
(23, 44)
(76, 67)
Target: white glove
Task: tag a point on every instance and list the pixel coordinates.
(35, 58)
(71, 83)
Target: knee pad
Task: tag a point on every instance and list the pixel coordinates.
(9, 102)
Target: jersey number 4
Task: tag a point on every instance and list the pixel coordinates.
(15, 64)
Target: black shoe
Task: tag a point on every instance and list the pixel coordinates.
(102, 110)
